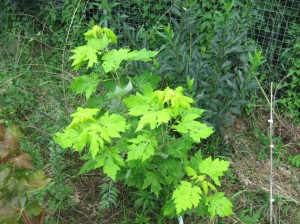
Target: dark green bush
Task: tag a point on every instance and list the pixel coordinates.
(218, 77)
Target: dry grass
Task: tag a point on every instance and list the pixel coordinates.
(253, 175)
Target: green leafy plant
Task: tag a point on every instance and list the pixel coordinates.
(109, 197)
(218, 77)
(295, 160)
(150, 141)
(264, 140)
(18, 182)
(289, 90)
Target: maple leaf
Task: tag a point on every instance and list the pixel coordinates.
(152, 180)
(218, 205)
(82, 54)
(138, 105)
(94, 33)
(143, 147)
(67, 138)
(177, 100)
(154, 119)
(112, 163)
(96, 143)
(113, 124)
(191, 172)
(110, 34)
(186, 196)
(85, 129)
(113, 59)
(81, 141)
(195, 129)
(214, 168)
(77, 139)
(106, 128)
(141, 55)
(96, 42)
(83, 115)
(174, 98)
(86, 84)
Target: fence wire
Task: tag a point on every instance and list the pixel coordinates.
(273, 25)
(275, 29)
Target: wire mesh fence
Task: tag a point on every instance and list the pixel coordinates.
(275, 30)
(273, 26)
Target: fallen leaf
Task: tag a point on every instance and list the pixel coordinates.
(22, 161)
(11, 139)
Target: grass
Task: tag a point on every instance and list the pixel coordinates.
(250, 170)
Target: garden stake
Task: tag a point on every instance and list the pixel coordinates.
(180, 220)
(271, 155)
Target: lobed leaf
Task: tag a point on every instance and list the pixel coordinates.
(138, 105)
(142, 148)
(86, 84)
(186, 196)
(154, 119)
(214, 168)
(195, 129)
(83, 115)
(152, 180)
(218, 205)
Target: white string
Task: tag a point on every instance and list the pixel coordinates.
(271, 156)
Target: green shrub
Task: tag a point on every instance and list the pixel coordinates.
(149, 141)
(289, 88)
(218, 76)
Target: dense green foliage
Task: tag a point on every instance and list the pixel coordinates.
(139, 144)
(289, 88)
(141, 140)
(218, 76)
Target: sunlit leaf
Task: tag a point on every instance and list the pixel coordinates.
(214, 168)
(186, 196)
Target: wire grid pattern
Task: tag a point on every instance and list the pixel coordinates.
(142, 13)
(271, 29)
(271, 22)
(134, 14)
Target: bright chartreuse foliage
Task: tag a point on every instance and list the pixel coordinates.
(98, 40)
(140, 135)
(189, 125)
(142, 148)
(216, 203)
(214, 168)
(95, 51)
(86, 129)
(86, 84)
(186, 196)
(113, 59)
